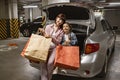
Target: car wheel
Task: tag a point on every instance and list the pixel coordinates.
(113, 49)
(25, 33)
(103, 73)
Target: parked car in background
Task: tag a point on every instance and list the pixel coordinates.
(31, 27)
(96, 38)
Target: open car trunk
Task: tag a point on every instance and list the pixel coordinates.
(72, 12)
(81, 34)
(77, 15)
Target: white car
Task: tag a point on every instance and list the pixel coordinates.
(96, 38)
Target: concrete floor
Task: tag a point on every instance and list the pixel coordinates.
(14, 67)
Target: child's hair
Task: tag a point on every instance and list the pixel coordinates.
(69, 25)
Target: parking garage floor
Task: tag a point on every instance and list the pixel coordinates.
(14, 67)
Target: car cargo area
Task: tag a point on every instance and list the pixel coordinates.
(81, 33)
(75, 14)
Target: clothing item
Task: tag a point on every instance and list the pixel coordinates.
(47, 68)
(57, 37)
(72, 37)
(66, 37)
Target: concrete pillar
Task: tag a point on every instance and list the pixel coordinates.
(27, 14)
(3, 19)
(31, 14)
(2, 9)
(13, 8)
(13, 16)
(45, 2)
(9, 24)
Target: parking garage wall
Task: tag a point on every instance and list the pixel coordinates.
(113, 16)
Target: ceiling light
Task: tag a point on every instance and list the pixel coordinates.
(115, 4)
(30, 6)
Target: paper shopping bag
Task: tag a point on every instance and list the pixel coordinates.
(37, 48)
(67, 57)
(24, 49)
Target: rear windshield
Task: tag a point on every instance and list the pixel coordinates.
(38, 20)
(71, 12)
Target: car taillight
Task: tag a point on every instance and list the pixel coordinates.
(90, 48)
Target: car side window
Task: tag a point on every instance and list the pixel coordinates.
(38, 20)
(106, 25)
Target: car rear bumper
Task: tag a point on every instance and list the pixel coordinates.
(87, 68)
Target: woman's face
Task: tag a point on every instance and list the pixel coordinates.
(66, 28)
(59, 21)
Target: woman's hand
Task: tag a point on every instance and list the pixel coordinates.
(47, 36)
(41, 31)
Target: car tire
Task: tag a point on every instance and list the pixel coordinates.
(26, 33)
(103, 73)
(113, 49)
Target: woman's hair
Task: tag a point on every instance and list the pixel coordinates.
(70, 26)
(61, 16)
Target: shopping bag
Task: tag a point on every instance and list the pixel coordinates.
(24, 49)
(67, 57)
(37, 48)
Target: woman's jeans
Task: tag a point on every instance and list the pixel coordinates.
(47, 68)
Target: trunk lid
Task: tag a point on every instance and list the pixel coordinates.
(77, 12)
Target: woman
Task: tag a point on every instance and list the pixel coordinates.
(55, 32)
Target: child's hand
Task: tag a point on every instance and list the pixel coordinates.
(66, 43)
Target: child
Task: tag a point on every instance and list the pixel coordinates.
(69, 38)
